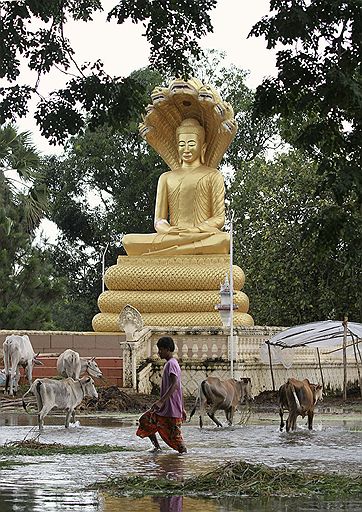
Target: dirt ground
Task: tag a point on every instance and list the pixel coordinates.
(113, 399)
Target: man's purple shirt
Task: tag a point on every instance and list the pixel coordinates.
(174, 405)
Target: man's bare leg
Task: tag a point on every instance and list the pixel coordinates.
(182, 449)
(155, 443)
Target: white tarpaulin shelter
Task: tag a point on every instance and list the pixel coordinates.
(317, 334)
(347, 336)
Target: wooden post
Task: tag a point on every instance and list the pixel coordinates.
(271, 367)
(320, 367)
(345, 322)
(357, 365)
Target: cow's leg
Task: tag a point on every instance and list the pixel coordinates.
(39, 402)
(73, 416)
(310, 419)
(67, 417)
(281, 414)
(211, 415)
(293, 421)
(14, 380)
(287, 426)
(9, 382)
(29, 373)
(229, 413)
(44, 411)
(203, 404)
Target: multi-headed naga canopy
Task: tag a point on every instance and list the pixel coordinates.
(188, 99)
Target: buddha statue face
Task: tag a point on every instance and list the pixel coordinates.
(190, 140)
(189, 148)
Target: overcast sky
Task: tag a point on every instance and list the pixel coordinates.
(122, 48)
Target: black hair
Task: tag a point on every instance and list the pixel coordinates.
(166, 342)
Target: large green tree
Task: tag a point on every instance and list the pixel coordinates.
(254, 136)
(291, 277)
(20, 173)
(27, 283)
(32, 34)
(318, 88)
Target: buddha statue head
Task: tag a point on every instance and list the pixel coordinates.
(190, 139)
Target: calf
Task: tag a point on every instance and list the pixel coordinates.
(221, 395)
(64, 394)
(299, 398)
(70, 364)
(18, 351)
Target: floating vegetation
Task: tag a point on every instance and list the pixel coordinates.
(9, 464)
(237, 479)
(36, 448)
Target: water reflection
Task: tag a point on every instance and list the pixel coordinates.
(170, 503)
(49, 500)
(12, 419)
(229, 504)
(171, 465)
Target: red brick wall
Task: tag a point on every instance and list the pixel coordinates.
(104, 347)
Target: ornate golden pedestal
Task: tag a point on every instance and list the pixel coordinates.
(170, 291)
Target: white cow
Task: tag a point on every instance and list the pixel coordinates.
(18, 351)
(64, 394)
(70, 364)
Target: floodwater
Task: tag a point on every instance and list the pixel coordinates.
(53, 483)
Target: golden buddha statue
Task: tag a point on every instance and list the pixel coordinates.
(190, 209)
(172, 277)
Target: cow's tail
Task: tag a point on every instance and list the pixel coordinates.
(200, 394)
(35, 389)
(193, 410)
(24, 395)
(297, 402)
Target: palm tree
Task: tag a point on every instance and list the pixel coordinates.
(20, 177)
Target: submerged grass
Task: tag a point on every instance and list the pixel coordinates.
(9, 464)
(36, 448)
(237, 479)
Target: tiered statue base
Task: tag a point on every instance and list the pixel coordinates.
(170, 291)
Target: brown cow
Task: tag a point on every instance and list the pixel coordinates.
(222, 395)
(299, 397)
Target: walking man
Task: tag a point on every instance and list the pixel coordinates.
(166, 414)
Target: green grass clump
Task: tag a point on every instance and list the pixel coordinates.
(237, 479)
(35, 448)
(8, 464)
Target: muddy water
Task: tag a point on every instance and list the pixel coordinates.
(53, 483)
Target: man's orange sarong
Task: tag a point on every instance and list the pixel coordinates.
(168, 428)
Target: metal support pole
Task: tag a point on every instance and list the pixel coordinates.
(320, 367)
(271, 367)
(104, 264)
(345, 322)
(357, 366)
(231, 300)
